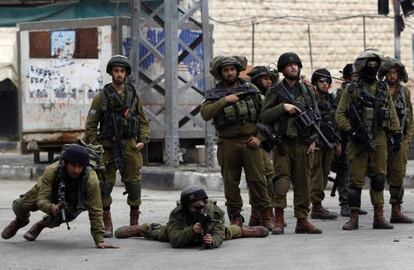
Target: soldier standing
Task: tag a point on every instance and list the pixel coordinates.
(366, 112)
(291, 158)
(195, 221)
(79, 185)
(395, 73)
(123, 131)
(234, 117)
(322, 157)
(263, 78)
(340, 163)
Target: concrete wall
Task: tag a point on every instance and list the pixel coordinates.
(334, 42)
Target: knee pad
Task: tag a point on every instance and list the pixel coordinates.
(378, 182)
(134, 190)
(354, 196)
(281, 186)
(106, 188)
(19, 211)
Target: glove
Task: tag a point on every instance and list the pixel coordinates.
(396, 144)
(356, 137)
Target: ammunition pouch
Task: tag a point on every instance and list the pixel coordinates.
(244, 111)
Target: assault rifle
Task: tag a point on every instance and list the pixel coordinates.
(306, 118)
(330, 131)
(205, 220)
(217, 93)
(272, 138)
(62, 202)
(364, 131)
(117, 148)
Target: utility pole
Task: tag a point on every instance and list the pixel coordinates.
(397, 32)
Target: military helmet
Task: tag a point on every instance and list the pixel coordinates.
(321, 73)
(118, 60)
(288, 58)
(76, 153)
(348, 70)
(258, 71)
(240, 62)
(389, 63)
(365, 56)
(192, 194)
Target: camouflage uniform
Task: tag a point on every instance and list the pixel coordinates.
(235, 125)
(44, 194)
(290, 159)
(122, 124)
(362, 162)
(397, 162)
(322, 158)
(255, 74)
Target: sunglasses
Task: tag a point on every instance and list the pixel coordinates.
(324, 81)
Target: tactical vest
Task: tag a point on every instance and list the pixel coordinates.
(375, 115)
(287, 125)
(246, 110)
(120, 117)
(400, 107)
(327, 108)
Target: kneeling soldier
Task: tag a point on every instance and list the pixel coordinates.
(66, 188)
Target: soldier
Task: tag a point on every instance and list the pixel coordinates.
(234, 117)
(291, 157)
(80, 186)
(195, 221)
(322, 157)
(263, 78)
(340, 162)
(123, 131)
(366, 112)
(395, 72)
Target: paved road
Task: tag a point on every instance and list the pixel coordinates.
(334, 249)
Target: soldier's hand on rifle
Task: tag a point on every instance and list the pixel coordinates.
(312, 148)
(291, 109)
(338, 149)
(139, 146)
(105, 245)
(54, 209)
(198, 228)
(207, 239)
(232, 98)
(254, 142)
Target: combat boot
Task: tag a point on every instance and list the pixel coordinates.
(12, 228)
(128, 231)
(397, 216)
(254, 231)
(279, 221)
(134, 216)
(319, 212)
(35, 230)
(255, 218)
(268, 219)
(352, 223)
(304, 226)
(379, 220)
(107, 219)
(235, 217)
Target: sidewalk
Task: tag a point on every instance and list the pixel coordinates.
(21, 167)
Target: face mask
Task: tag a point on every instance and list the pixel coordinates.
(369, 74)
